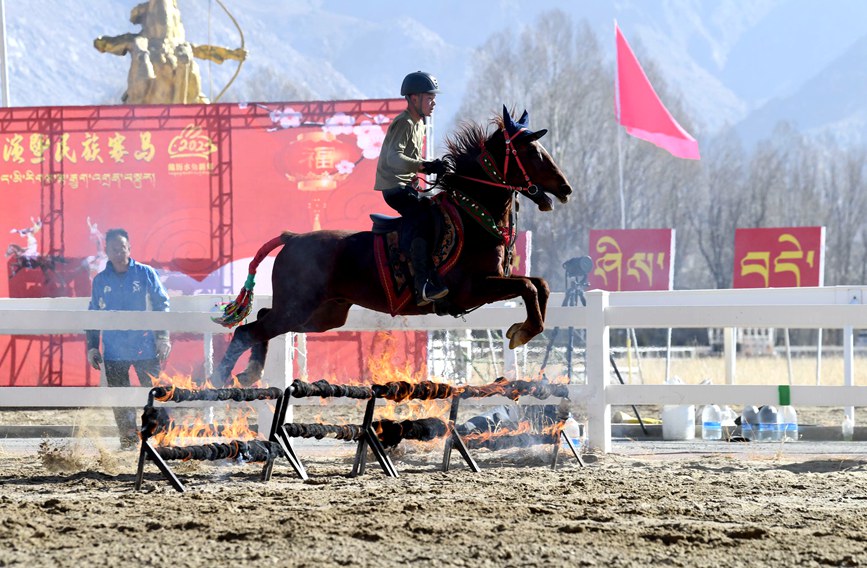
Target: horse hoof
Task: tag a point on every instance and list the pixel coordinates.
(521, 337)
(512, 329)
(245, 379)
(252, 374)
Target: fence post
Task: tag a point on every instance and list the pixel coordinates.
(730, 352)
(849, 365)
(598, 372)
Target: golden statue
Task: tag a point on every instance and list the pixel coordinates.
(163, 69)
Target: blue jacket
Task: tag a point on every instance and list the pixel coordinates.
(127, 291)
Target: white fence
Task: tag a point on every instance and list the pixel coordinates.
(807, 308)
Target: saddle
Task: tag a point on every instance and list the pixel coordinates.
(391, 250)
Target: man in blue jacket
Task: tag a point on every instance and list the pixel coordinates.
(127, 285)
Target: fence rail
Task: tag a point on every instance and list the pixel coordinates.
(838, 307)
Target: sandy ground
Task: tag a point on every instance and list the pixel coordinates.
(72, 503)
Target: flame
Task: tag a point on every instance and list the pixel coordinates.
(383, 369)
(235, 427)
(178, 381)
(236, 424)
(548, 433)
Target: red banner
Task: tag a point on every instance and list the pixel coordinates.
(632, 259)
(521, 260)
(198, 187)
(779, 257)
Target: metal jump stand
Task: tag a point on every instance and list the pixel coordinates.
(256, 450)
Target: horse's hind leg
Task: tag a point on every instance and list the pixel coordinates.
(268, 325)
(258, 352)
(241, 341)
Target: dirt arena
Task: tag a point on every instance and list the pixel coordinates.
(73, 504)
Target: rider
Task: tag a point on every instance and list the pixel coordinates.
(399, 162)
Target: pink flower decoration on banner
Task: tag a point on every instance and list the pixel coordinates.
(339, 124)
(369, 138)
(344, 167)
(286, 117)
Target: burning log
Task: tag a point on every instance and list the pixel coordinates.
(515, 389)
(324, 389)
(252, 451)
(390, 432)
(399, 391)
(348, 432)
(504, 439)
(153, 421)
(172, 394)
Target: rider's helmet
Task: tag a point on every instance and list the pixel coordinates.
(419, 82)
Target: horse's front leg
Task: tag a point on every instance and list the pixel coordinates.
(542, 294)
(533, 291)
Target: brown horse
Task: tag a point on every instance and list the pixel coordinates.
(317, 276)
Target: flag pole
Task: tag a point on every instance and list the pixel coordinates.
(620, 172)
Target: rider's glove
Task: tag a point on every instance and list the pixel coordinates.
(94, 358)
(437, 167)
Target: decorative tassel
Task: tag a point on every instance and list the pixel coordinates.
(237, 311)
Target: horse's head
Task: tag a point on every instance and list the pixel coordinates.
(511, 158)
(533, 168)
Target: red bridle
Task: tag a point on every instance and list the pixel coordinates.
(498, 179)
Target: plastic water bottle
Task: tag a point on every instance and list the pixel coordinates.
(789, 423)
(573, 431)
(768, 416)
(711, 423)
(848, 428)
(749, 422)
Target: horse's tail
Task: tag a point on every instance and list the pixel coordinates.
(236, 311)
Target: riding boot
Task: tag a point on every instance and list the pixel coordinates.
(426, 288)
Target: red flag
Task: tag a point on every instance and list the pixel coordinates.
(640, 111)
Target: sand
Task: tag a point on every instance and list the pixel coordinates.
(71, 504)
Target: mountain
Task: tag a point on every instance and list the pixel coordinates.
(730, 62)
(832, 103)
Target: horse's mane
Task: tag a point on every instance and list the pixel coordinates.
(464, 145)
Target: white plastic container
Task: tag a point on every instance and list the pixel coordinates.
(848, 428)
(769, 424)
(678, 422)
(750, 422)
(711, 423)
(573, 431)
(789, 419)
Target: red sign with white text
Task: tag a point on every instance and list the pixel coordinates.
(632, 259)
(779, 257)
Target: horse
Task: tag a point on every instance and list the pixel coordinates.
(318, 276)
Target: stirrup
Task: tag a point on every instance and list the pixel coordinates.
(435, 293)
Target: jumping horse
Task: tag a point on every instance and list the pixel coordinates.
(317, 276)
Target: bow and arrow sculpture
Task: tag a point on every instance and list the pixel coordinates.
(163, 66)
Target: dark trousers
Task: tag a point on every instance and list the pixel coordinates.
(413, 206)
(117, 375)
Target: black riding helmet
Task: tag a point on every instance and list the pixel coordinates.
(419, 82)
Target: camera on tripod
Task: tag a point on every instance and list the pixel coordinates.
(577, 270)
